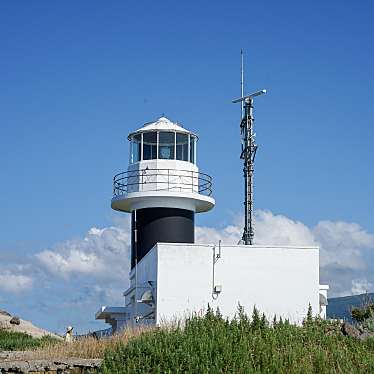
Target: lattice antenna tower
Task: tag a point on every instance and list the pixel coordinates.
(248, 154)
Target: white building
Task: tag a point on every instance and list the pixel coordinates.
(170, 275)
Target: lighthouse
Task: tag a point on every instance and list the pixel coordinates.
(162, 188)
(170, 275)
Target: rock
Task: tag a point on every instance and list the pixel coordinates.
(4, 313)
(349, 330)
(361, 329)
(330, 333)
(365, 335)
(15, 320)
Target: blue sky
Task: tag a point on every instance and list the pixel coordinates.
(77, 77)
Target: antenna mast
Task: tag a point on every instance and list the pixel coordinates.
(248, 154)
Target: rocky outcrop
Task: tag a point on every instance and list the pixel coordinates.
(348, 329)
(24, 362)
(16, 324)
(64, 366)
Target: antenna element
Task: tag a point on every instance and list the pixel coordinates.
(242, 82)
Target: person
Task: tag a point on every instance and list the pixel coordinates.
(69, 334)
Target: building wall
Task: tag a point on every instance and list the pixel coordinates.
(278, 280)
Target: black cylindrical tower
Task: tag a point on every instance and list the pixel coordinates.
(159, 225)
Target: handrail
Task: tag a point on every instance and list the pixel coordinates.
(147, 180)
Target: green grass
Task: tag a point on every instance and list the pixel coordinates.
(17, 341)
(212, 344)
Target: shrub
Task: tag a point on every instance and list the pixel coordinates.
(362, 313)
(18, 341)
(368, 324)
(212, 344)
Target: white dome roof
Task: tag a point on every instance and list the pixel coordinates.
(162, 124)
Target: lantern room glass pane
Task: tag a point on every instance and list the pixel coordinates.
(166, 145)
(135, 150)
(182, 147)
(149, 145)
(192, 148)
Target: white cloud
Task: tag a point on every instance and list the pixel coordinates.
(102, 253)
(72, 261)
(360, 286)
(270, 229)
(343, 244)
(228, 235)
(14, 283)
(278, 229)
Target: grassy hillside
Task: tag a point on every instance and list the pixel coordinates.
(245, 345)
(17, 341)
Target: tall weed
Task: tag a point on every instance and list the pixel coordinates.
(212, 344)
